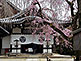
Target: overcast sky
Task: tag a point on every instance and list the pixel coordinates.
(61, 10)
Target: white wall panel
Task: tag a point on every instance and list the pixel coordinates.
(6, 42)
(29, 39)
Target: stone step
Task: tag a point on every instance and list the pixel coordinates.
(37, 57)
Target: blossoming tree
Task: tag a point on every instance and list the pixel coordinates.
(48, 18)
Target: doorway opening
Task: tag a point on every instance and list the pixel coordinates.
(32, 48)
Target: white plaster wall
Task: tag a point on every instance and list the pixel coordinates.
(29, 39)
(6, 42)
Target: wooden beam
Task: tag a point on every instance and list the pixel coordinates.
(4, 30)
(13, 6)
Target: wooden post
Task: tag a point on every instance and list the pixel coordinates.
(54, 43)
(0, 44)
(47, 46)
(16, 45)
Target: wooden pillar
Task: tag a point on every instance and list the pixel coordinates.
(0, 44)
(54, 44)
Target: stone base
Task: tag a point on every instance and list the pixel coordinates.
(37, 57)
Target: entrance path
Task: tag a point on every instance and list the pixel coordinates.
(37, 57)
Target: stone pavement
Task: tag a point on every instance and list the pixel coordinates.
(37, 57)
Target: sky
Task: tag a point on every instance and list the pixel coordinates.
(60, 8)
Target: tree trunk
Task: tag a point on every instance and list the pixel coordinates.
(79, 12)
(78, 52)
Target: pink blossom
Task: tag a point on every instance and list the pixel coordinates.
(67, 32)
